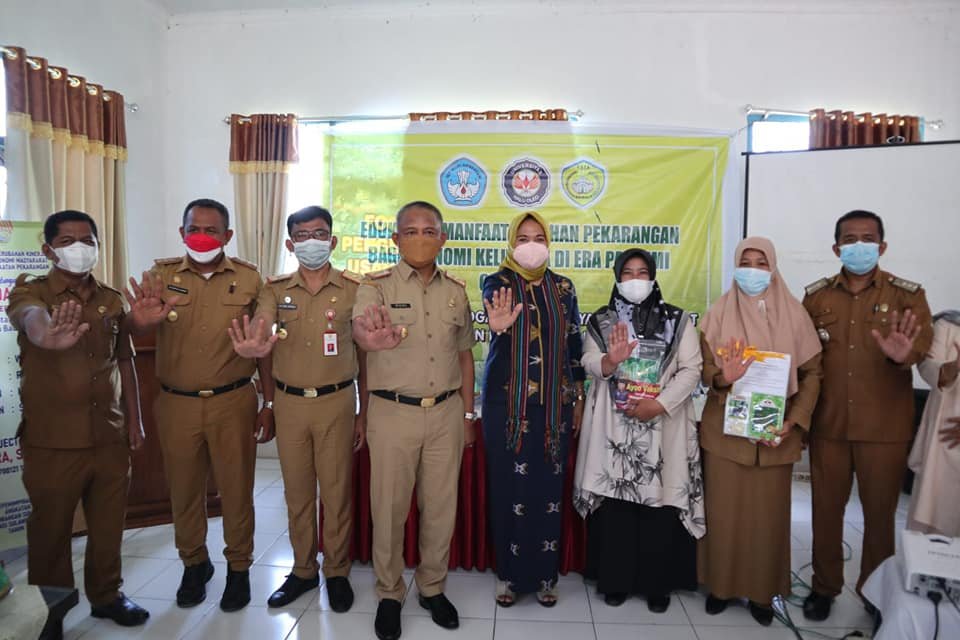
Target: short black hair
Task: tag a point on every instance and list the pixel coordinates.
(306, 215)
(857, 214)
(419, 204)
(51, 226)
(207, 203)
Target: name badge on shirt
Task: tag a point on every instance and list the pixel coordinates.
(330, 344)
(178, 289)
(287, 306)
(400, 305)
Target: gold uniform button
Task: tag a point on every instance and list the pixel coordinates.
(173, 315)
(282, 334)
(403, 333)
(101, 309)
(333, 299)
(176, 279)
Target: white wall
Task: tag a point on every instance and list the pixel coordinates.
(660, 67)
(119, 44)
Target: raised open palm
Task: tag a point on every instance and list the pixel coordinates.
(898, 344)
(64, 329)
(252, 339)
(619, 345)
(731, 359)
(501, 312)
(147, 307)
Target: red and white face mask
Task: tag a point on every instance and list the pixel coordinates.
(202, 248)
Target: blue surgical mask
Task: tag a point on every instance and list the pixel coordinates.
(752, 281)
(312, 253)
(860, 257)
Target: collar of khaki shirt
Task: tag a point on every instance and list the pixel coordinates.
(334, 277)
(59, 283)
(843, 280)
(226, 264)
(405, 271)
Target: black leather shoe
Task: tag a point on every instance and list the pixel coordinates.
(193, 589)
(658, 604)
(817, 606)
(291, 589)
(615, 599)
(441, 610)
(762, 614)
(715, 605)
(340, 594)
(387, 623)
(124, 611)
(237, 593)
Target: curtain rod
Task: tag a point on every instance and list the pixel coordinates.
(363, 118)
(750, 109)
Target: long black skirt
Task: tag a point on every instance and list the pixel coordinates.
(633, 548)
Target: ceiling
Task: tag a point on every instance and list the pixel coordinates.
(203, 6)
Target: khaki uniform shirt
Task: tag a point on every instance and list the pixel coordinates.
(194, 350)
(438, 322)
(865, 396)
(71, 398)
(301, 359)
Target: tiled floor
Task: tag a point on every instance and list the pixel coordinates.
(152, 574)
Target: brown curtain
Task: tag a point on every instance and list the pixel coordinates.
(66, 148)
(535, 114)
(837, 128)
(262, 148)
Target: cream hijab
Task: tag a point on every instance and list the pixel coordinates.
(780, 324)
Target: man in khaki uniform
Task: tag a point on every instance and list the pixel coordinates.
(314, 365)
(77, 360)
(207, 413)
(414, 322)
(874, 327)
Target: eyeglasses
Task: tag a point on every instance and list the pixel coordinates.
(316, 234)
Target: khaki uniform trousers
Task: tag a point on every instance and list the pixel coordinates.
(56, 480)
(197, 434)
(315, 443)
(413, 446)
(879, 468)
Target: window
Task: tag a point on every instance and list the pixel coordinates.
(777, 132)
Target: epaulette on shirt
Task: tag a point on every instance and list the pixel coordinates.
(249, 265)
(355, 278)
(907, 285)
(454, 278)
(279, 278)
(816, 286)
(29, 278)
(376, 275)
(165, 261)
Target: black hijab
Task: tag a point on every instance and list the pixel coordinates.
(650, 317)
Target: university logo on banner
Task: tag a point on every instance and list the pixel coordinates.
(526, 183)
(463, 183)
(583, 182)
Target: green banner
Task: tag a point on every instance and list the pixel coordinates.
(600, 194)
(19, 253)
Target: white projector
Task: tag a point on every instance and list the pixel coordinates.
(931, 563)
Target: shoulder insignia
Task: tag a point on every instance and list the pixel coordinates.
(29, 278)
(376, 275)
(165, 261)
(249, 265)
(355, 278)
(279, 278)
(454, 278)
(816, 286)
(907, 285)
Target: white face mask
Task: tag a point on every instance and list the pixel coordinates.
(636, 291)
(204, 257)
(78, 258)
(312, 253)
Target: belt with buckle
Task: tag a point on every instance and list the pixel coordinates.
(313, 392)
(426, 403)
(207, 393)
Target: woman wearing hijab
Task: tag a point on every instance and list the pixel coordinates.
(638, 480)
(935, 457)
(746, 553)
(532, 402)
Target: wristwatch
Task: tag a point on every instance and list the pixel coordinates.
(268, 404)
(469, 415)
